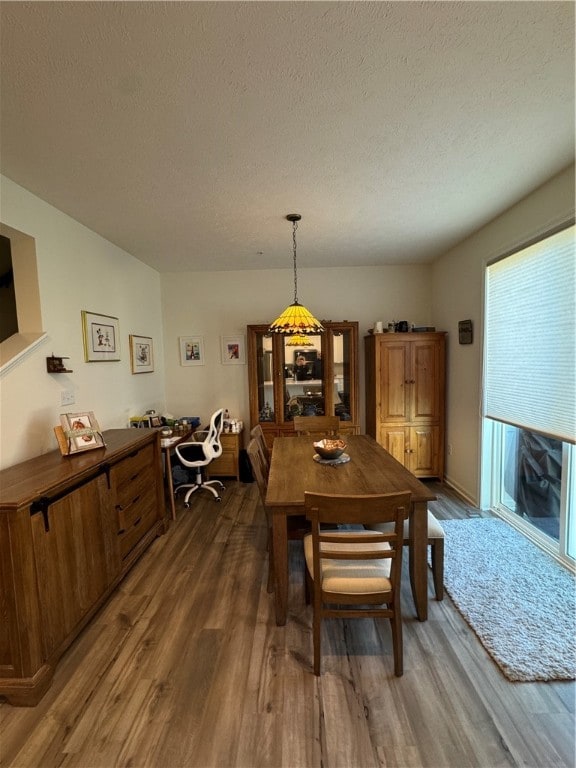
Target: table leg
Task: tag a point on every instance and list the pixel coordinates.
(280, 545)
(169, 483)
(418, 558)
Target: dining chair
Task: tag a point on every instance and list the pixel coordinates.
(197, 454)
(297, 525)
(436, 544)
(355, 573)
(317, 426)
(257, 434)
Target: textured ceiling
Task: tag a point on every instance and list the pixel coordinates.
(185, 131)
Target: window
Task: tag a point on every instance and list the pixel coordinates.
(530, 391)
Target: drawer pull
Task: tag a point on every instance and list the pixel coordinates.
(119, 508)
(137, 521)
(135, 499)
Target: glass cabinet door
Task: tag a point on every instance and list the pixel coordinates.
(342, 351)
(261, 354)
(303, 380)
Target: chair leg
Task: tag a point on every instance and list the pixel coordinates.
(437, 549)
(317, 633)
(270, 585)
(397, 647)
(189, 493)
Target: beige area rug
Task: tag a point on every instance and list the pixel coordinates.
(517, 599)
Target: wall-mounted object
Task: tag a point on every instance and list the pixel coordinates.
(101, 337)
(56, 365)
(141, 354)
(191, 350)
(465, 332)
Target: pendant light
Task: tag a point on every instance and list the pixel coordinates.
(299, 340)
(296, 320)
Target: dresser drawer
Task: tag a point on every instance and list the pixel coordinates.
(133, 467)
(138, 522)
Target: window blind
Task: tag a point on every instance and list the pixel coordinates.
(530, 339)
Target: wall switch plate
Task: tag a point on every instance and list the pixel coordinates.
(67, 397)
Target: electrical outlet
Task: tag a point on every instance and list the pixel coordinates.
(67, 397)
(449, 449)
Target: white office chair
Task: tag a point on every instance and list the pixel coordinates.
(204, 448)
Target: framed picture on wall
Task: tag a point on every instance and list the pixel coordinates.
(191, 350)
(141, 354)
(465, 332)
(233, 349)
(101, 337)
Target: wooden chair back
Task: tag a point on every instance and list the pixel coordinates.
(317, 426)
(257, 434)
(338, 561)
(259, 468)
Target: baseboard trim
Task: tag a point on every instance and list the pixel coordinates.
(459, 491)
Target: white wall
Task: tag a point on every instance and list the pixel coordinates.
(77, 270)
(212, 304)
(457, 290)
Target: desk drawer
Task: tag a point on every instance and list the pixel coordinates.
(226, 464)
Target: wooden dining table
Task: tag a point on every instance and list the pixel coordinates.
(371, 469)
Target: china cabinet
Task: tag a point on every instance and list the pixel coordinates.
(405, 393)
(286, 380)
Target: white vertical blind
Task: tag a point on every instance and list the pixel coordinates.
(530, 352)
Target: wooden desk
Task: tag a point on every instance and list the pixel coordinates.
(168, 444)
(370, 470)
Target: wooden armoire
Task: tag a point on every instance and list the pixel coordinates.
(405, 398)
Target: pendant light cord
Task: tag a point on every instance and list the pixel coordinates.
(294, 228)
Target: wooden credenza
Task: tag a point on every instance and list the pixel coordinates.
(405, 398)
(70, 529)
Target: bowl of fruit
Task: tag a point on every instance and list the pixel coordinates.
(330, 448)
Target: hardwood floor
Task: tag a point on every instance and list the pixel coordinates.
(185, 667)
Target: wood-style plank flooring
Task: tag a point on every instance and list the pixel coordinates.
(185, 667)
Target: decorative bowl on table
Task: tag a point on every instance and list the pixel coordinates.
(330, 448)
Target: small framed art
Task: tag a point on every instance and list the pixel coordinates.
(465, 332)
(141, 354)
(101, 337)
(191, 350)
(233, 350)
(78, 432)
